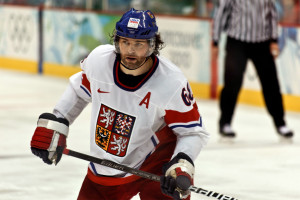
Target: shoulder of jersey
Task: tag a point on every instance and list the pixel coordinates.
(170, 69)
(100, 54)
(99, 58)
(102, 50)
(166, 81)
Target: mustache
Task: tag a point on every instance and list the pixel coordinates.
(129, 55)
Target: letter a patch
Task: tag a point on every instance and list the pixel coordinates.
(113, 130)
(146, 100)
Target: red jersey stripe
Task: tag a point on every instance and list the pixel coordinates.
(182, 117)
(85, 82)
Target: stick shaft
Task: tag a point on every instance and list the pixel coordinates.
(113, 165)
(141, 173)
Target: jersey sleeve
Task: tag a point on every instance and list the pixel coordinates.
(76, 96)
(183, 117)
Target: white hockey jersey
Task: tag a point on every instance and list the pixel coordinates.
(124, 119)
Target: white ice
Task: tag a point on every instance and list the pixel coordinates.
(257, 165)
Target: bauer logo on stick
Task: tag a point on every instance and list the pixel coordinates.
(133, 23)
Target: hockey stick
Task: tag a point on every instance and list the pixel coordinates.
(142, 174)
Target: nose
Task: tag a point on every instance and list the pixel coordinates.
(131, 49)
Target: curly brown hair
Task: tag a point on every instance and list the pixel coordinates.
(159, 43)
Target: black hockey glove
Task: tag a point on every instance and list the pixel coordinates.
(49, 138)
(178, 176)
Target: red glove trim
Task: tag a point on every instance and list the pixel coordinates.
(179, 172)
(42, 138)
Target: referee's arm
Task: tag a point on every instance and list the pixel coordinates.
(220, 19)
(274, 24)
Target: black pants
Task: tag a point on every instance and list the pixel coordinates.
(237, 55)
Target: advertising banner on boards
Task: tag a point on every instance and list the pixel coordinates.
(187, 45)
(19, 33)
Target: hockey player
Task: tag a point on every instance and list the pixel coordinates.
(143, 115)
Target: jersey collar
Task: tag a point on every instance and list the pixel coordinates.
(141, 83)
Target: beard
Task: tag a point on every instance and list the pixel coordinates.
(132, 62)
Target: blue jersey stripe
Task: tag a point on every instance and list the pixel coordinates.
(85, 90)
(187, 125)
(154, 141)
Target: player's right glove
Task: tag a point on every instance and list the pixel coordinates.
(178, 177)
(49, 138)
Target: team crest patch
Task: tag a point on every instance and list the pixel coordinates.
(113, 130)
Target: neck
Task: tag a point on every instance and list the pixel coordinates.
(146, 66)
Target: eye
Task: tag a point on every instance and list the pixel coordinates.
(139, 44)
(124, 42)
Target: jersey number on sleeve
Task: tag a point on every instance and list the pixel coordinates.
(187, 95)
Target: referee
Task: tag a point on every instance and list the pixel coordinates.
(251, 29)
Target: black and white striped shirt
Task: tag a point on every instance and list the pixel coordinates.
(246, 20)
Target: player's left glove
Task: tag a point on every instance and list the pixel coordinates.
(178, 177)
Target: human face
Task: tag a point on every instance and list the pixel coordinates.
(133, 52)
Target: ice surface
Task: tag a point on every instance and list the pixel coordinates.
(256, 166)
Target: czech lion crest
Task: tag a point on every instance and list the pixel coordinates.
(113, 130)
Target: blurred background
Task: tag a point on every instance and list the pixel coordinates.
(288, 9)
(41, 45)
